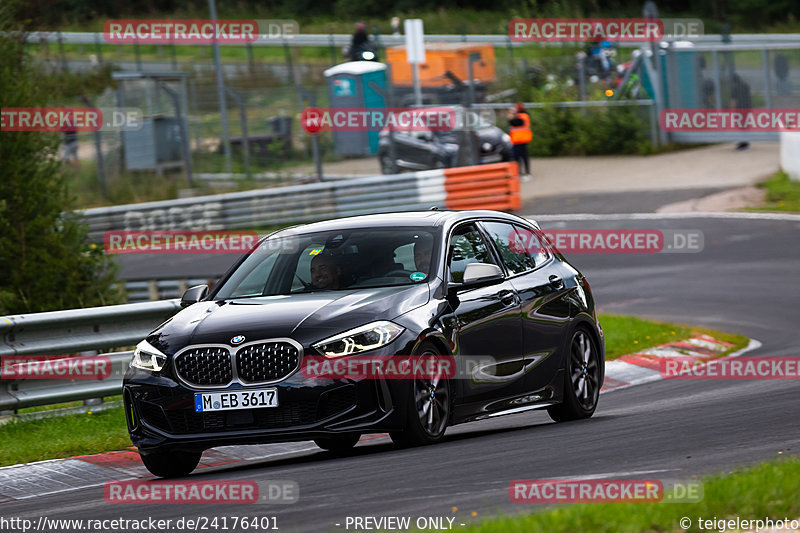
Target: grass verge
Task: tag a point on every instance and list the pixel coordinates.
(63, 436)
(783, 194)
(766, 490)
(628, 334)
(82, 434)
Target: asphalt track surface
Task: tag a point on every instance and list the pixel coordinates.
(745, 280)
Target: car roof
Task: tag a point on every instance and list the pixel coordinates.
(430, 219)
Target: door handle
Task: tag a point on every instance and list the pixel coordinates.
(556, 282)
(507, 297)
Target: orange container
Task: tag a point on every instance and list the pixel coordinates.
(441, 57)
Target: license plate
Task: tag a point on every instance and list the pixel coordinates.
(491, 158)
(226, 401)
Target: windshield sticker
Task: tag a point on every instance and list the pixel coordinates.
(417, 276)
(315, 251)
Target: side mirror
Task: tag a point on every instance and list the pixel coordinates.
(481, 272)
(476, 275)
(194, 295)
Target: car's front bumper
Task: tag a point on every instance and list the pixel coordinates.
(161, 411)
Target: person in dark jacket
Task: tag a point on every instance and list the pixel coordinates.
(359, 38)
(521, 135)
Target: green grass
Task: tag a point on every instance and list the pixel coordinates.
(765, 490)
(783, 194)
(628, 334)
(64, 436)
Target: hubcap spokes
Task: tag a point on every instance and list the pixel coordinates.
(432, 404)
(585, 379)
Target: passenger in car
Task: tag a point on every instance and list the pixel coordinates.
(422, 252)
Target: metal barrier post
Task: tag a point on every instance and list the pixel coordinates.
(243, 119)
(653, 126)
(223, 105)
(152, 289)
(717, 85)
(767, 82)
(187, 158)
(64, 66)
(98, 49)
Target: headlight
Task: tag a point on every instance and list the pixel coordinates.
(506, 138)
(361, 339)
(147, 357)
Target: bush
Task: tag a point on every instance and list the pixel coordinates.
(45, 258)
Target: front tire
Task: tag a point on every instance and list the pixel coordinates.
(427, 410)
(339, 444)
(581, 380)
(171, 464)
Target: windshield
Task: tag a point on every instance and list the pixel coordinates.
(333, 260)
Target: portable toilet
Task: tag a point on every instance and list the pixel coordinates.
(356, 84)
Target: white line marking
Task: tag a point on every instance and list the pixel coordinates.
(617, 474)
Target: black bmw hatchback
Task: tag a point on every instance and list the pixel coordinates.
(226, 369)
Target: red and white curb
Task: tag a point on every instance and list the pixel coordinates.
(30, 480)
(643, 367)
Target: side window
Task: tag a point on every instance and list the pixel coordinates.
(466, 246)
(421, 135)
(254, 282)
(506, 238)
(539, 253)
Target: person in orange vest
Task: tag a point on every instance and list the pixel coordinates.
(521, 135)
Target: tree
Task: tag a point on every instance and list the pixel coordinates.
(46, 262)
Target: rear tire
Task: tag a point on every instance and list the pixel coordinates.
(171, 464)
(427, 409)
(581, 379)
(338, 444)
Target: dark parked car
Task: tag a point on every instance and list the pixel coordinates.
(425, 149)
(225, 369)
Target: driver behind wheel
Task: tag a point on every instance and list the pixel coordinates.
(325, 272)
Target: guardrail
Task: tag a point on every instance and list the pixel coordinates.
(70, 332)
(491, 186)
(150, 290)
